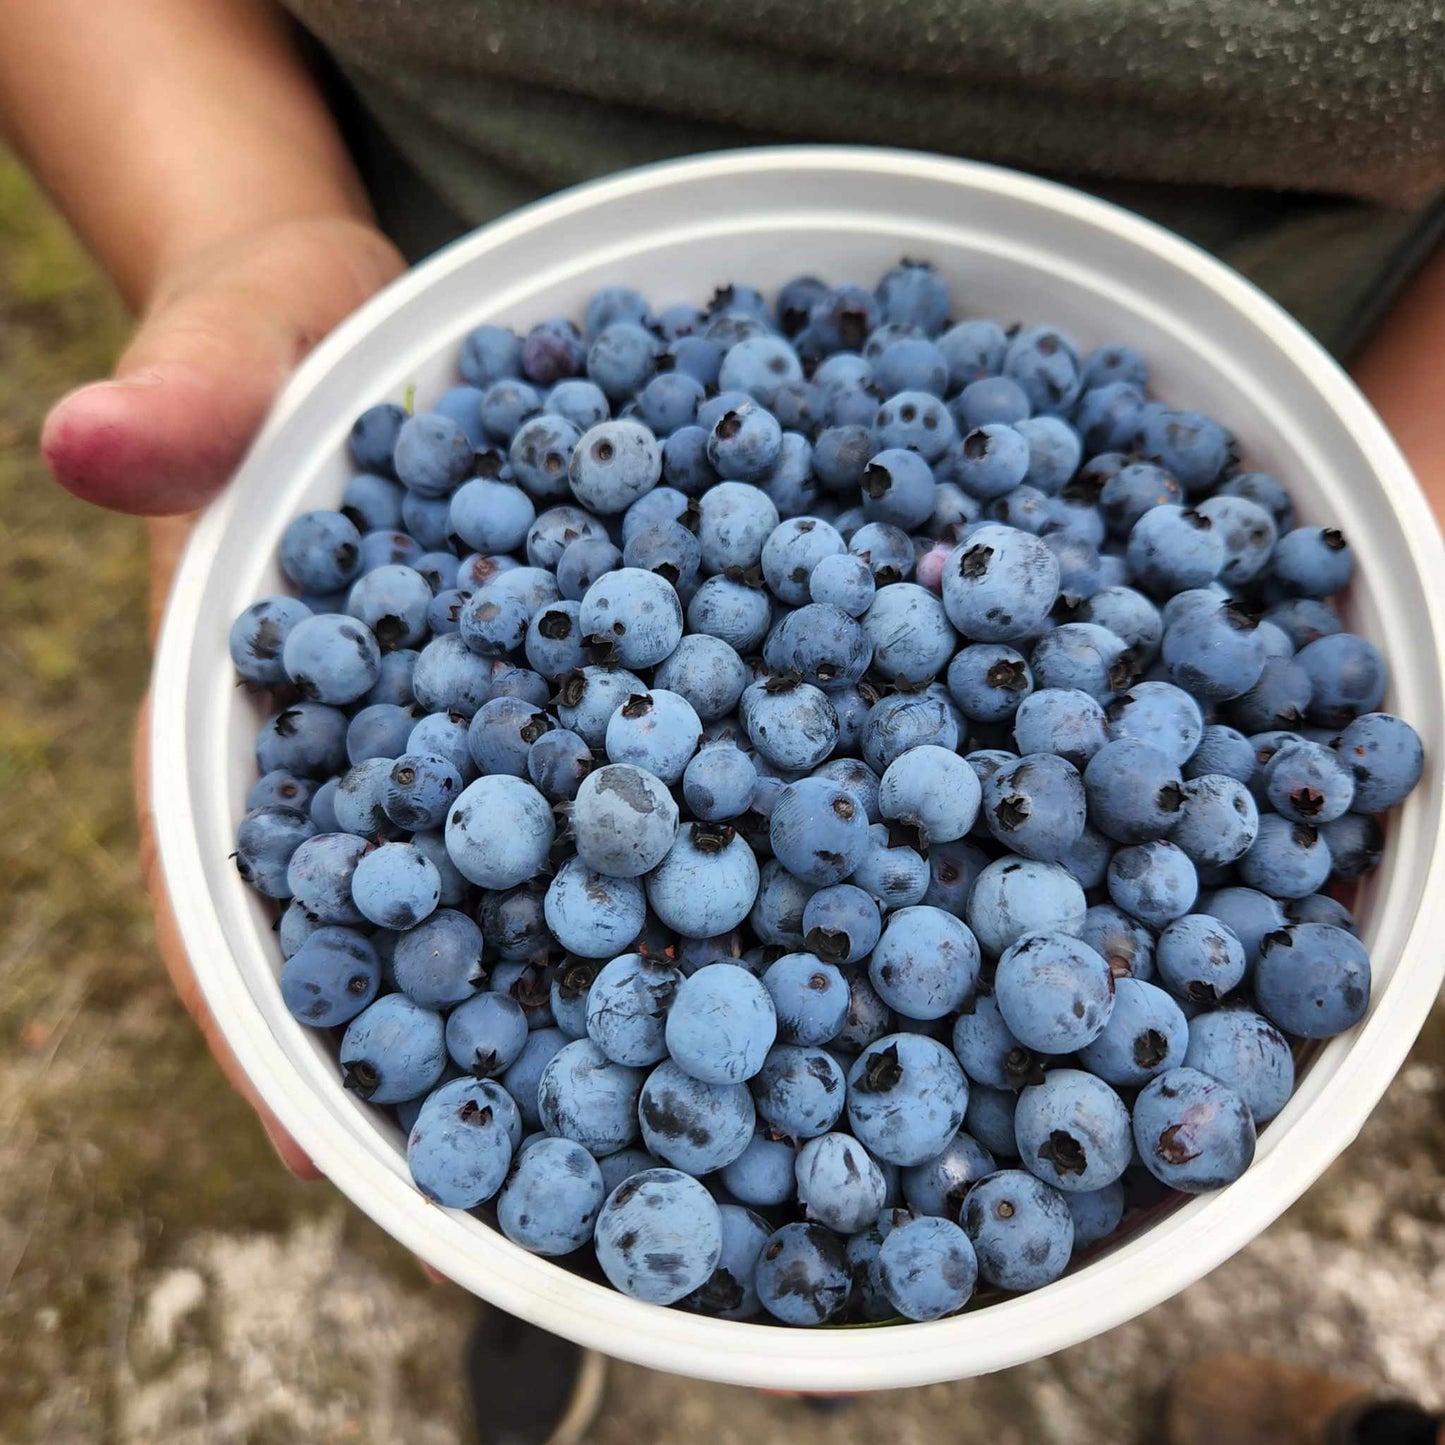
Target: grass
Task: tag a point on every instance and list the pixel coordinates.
(117, 1135)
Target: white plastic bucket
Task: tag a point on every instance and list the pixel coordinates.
(1011, 247)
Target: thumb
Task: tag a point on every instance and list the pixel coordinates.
(213, 348)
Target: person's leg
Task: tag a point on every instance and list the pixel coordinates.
(1237, 1399)
(529, 1387)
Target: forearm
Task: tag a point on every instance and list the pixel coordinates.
(164, 127)
(1402, 371)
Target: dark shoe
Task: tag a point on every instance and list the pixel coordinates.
(1238, 1399)
(529, 1387)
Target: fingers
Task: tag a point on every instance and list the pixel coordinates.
(173, 955)
(164, 435)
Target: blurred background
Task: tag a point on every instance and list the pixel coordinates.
(163, 1280)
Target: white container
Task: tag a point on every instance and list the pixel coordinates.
(1011, 247)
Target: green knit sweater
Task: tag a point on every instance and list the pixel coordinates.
(1304, 140)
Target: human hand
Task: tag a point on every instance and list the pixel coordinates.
(218, 338)
(163, 436)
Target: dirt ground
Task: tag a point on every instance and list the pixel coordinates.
(162, 1280)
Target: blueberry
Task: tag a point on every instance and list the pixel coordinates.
(393, 1050)
(792, 724)
(952, 869)
(810, 998)
(926, 963)
(439, 963)
(1313, 561)
(330, 978)
(587, 698)
(485, 1033)
(988, 1052)
(258, 636)
(621, 359)
(1129, 615)
(707, 672)
(1217, 822)
(989, 401)
(1096, 1213)
(627, 1008)
(1356, 843)
(1054, 992)
(1193, 1132)
(459, 1149)
(1347, 678)
(522, 1077)
(990, 1119)
(450, 677)
(654, 730)
(974, 350)
(266, 842)
(502, 734)
(1036, 806)
(1045, 363)
(321, 551)
(777, 913)
(1135, 791)
(331, 658)
(1014, 896)
(281, 789)
(1312, 979)
(839, 1184)
(551, 1198)
(721, 1025)
(585, 1096)
(1146, 1034)
(1054, 452)
(799, 1091)
(499, 832)
(694, 1126)
(891, 873)
(802, 1275)
(1308, 783)
(319, 873)
(1384, 755)
(707, 883)
(906, 1098)
(730, 1293)
(999, 584)
(634, 615)
(1126, 944)
(1286, 860)
(938, 1185)
(659, 1236)
(1063, 721)
(1161, 715)
(1073, 1131)
(1187, 444)
(394, 684)
(1021, 1229)
(373, 437)
(718, 783)
(1107, 416)
(395, 886)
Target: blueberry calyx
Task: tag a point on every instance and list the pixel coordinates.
(361, 1077)
(883, 1073)
(1064, 1152)
(830, 944)
(1171, 1147)
(712, 838)
(1023, 1067)
(974, 562)
(1008, 676)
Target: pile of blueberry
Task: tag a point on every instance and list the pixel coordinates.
(820, 806)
